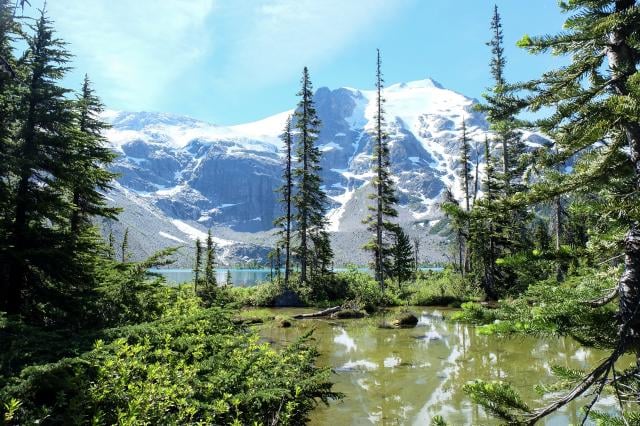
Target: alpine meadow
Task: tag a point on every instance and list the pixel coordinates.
(379, 252)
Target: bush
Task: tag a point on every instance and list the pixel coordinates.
(192, 365)
(446, 288)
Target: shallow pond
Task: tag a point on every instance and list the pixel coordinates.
(406, 376)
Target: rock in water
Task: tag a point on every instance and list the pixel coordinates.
(283, 322)
(407, 319)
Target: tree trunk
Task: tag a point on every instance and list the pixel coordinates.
(560, 265)
(622, 63)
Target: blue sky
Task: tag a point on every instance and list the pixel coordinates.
(234, 61)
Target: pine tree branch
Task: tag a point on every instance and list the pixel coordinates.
(601, 301)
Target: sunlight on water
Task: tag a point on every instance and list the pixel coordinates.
(407, 376)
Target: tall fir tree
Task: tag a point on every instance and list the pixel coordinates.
(124, 247)
(310, 202)
(286, 190)
(197, 266)
(87, 171)
(507, 238)
(210, 264)
(501, 108)
(383, 194)
(403, 256)
(9, 94)
(40, 206)
(466, 178)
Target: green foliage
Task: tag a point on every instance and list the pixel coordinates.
(175, 370)
(446, 288)
(384, 197)
(438, 421)
(498, 398)
(403, 257)
(629, 418)
(128, 293)
(551, 308)
(284, 222)
(313, 248)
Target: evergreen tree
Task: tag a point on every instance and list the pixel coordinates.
(86, 171)
(465, 167)
(310, 201)
(9, 103)
(596, 121)
(286, 190)
(228, 281)
(111, 245)
(501, 108)
(466, 179)
(384, 196)
(476, 168)
(500, 223)
(210, 264)
(40, 206)
(197, 267)
(403, 256)
(124, 248)
(484, 230)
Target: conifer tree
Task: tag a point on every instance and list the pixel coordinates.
(501, 108)
(86, 171)
(506, 222)
(465, 167)
(310, 201)
(403, 256)
(210, 264)
(197, 267)
(383, 194)
(286, 190)
(111, 246)
(8, 109)
(595, 120)
(40, 207)
(466, 181)
(476, 168)
(484, 230)
(228, 281)
(124, 247)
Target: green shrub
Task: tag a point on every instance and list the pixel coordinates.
(193, 365)
(446, 288)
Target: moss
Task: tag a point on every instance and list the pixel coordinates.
(284, 322)
(406, 319)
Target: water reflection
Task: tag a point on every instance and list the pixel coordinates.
(239, 277)
(406, 376)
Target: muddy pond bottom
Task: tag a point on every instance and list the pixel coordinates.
(407, 376)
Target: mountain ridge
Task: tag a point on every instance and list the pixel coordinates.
(223, 177)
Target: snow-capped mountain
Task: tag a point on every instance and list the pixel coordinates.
(188, 175)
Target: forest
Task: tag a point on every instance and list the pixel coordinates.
(545, 244)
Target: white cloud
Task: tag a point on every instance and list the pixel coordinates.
(285, 35)
(134, 49)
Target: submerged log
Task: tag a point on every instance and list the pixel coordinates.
(348, 314)
(323, 313)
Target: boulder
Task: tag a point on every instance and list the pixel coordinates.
(406, 319)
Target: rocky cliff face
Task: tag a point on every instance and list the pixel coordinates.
(194, 175)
